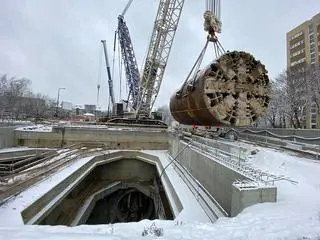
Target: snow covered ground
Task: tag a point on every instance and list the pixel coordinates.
(35, 128)
(296, 215)
(14, 149)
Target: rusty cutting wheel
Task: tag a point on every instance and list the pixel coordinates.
(233, 90)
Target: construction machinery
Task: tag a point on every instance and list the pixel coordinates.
(129, 59)
(163, 34)
(232, 90)
(144, 90)
(110, 82)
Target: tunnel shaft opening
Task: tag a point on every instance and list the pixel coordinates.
(127, 205)
(125, 190)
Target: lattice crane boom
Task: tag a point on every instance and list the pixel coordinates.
(129, 59)
(163, 34)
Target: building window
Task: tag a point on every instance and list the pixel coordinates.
(297, 62)
(297, 35)
(312, 48)
(297, 44)
(297, 53)
(311, 39)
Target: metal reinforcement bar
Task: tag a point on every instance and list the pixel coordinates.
(246, 170)
(37, 174)
(15, 168)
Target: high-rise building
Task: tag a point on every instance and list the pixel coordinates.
(303, 43)
(303, 54)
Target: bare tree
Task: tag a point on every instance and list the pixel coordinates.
(313, 78)
(15, 87)
(278, 110)
(12, 91)
(297, 90)
(290, 96)
(271, 114)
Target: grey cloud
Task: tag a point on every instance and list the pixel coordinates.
(57, 43)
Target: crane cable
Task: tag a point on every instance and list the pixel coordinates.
(195, 67)
(212, 6)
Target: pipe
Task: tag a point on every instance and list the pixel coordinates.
(232, 90)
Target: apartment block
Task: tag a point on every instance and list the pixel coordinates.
(303, 54)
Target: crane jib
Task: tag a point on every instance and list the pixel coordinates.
(108, 72)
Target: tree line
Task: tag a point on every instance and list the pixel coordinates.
(18, 101)
(293, 95)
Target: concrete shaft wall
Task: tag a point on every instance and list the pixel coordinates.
(7, 137)
(112, 139)
(126, 169)
(218, 179)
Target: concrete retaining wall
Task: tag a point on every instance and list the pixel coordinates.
(112, 139)
(218, 179)
(243, 197)
(7, 137)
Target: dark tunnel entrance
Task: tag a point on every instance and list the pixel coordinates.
(127, 205)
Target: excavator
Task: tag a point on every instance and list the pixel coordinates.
(232, 90)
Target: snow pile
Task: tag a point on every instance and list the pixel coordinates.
(35, 128)
(169, 230)
(296, 215)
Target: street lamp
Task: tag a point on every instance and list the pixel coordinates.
(58, 100)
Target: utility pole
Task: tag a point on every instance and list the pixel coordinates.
(57, 110)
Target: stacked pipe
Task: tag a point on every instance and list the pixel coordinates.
(232, 90)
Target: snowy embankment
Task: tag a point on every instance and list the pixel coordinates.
(35, 128)
(296, 215)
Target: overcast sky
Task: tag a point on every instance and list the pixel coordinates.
(56, 43)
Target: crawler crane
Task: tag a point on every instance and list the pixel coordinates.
(232, 90)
